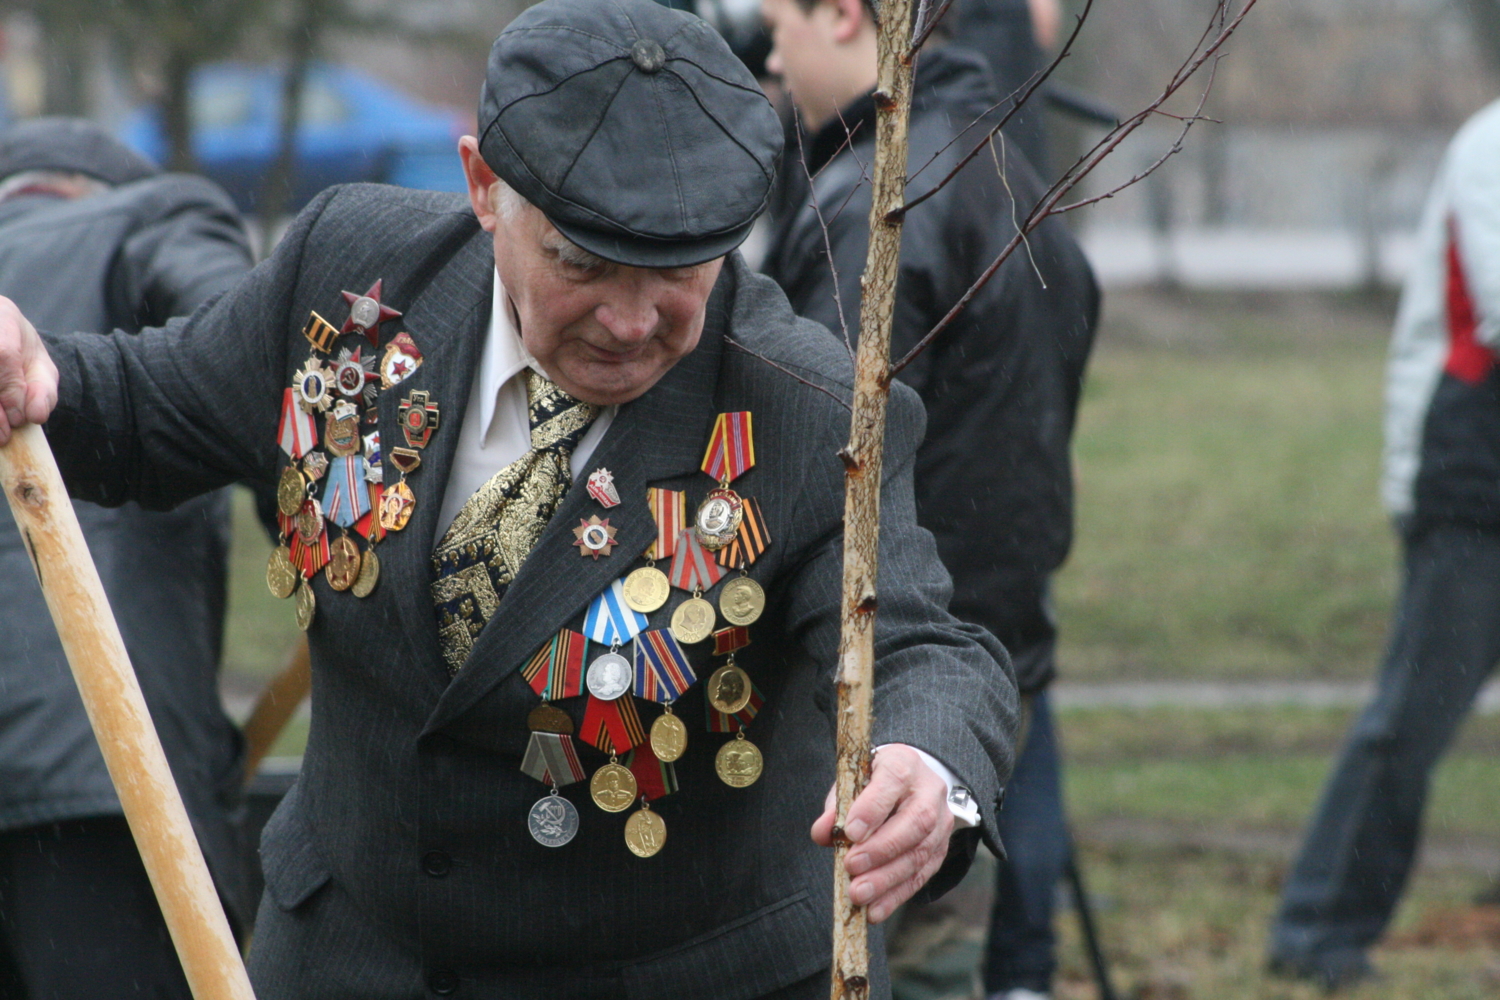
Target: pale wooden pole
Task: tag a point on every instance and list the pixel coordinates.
(862, 461)
(276, 706)
(122, 725)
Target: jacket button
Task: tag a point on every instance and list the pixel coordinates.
(436, 863)
(442, 982)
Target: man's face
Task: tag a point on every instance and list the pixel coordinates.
(604, 332)
(805, 54)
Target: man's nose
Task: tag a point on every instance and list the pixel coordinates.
(630, 319)
(773, 62)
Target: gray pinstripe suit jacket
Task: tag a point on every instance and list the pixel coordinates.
(400, 865)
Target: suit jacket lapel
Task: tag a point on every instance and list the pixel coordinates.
(447, 321)
(658, 436)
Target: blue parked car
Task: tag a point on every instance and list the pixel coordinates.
(353, 128)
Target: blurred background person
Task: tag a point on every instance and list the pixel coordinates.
(1001, 388)
(1442, 486)
(94, 237)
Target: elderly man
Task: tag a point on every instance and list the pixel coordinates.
(568, 464)
(94, 237)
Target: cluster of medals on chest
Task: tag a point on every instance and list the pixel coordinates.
(726, 534)
(331, 494)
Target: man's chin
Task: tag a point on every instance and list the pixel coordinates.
(608, 385)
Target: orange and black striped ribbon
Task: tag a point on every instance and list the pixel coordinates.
(750, 541)
(556, 671)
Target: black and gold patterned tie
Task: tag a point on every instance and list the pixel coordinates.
(499, 525)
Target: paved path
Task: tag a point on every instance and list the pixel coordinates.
(1232, 694)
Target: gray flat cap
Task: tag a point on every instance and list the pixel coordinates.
(633, 128)
(70, 145)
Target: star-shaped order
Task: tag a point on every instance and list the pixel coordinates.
(594, 537)
(366, 313)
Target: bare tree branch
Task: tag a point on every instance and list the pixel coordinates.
(1031, 88)
(925, 25)
(1084, 165)
(838, 298)
(785, 371)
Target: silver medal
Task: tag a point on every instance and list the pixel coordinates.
(553, 821)
(609, 676)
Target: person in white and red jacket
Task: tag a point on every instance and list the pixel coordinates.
(1442, 486)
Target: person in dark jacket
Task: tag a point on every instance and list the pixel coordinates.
(93, 237)
(1001, 386)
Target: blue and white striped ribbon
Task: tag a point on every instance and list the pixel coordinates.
(610, 620)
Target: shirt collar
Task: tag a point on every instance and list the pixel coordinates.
(504, 357)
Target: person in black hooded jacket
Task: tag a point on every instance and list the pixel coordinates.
(1001, 385)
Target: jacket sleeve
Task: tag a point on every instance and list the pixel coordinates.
(1474, 186)
(178, 410)
(943, 686)
(190, 245)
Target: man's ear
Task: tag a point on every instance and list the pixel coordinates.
(850, 17)
(481, 181)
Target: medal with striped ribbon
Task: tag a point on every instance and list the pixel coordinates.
(662, 670)
(556, 671)
(552, 759)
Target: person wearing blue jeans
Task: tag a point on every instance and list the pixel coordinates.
(1442, 485)
(1021, 956)
(1363, 838)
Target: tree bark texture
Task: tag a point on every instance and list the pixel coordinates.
(120, 719)
(862, 460)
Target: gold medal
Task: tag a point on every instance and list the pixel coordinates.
(291, 491)
(729, 689)
(647, 589)
(307, 606)
(341, 430)
(645, 833)
(369, 574)
(548, 718)
(310, 522)
(613, 787)
(738, 762)
(396, 505)
(668, 737)
(343, 563)
(718, 518)
(693, 621)
(741, 601)
(281, 575)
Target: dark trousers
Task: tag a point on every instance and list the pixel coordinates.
(1362, 840)
(1021, 952)
(78, 920)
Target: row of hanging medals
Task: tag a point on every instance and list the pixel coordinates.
(727, 532)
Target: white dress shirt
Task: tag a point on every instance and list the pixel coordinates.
(497, 430)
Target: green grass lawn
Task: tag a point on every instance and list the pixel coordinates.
(260, 630)
(1228, 523)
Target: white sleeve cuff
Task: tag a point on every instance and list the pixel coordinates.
(960, 803)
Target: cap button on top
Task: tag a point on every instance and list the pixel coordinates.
(648, 55)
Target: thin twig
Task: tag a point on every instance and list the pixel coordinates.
(812, 199)
(925, 28)
(1037, 80)
(1005, 181)
(1047, 205)
(786, 371)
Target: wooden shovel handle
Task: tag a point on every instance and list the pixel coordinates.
(122, 724)
(276, 706)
